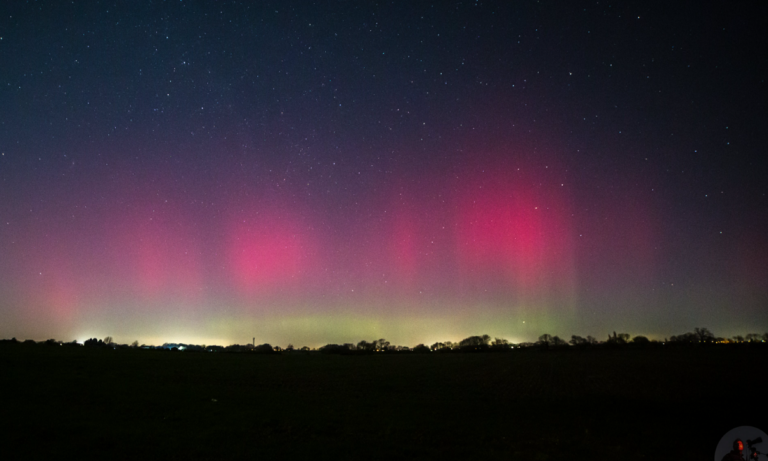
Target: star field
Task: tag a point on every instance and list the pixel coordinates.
(326, 172)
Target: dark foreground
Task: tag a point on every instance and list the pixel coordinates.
(573, 404)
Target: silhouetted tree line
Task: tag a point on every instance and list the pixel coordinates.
(472, 344)
(362, 348)
(93, 342)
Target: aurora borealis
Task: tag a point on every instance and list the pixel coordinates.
(324, 173)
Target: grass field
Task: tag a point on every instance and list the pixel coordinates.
(570, 404)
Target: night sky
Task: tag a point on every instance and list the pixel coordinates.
(326, 172)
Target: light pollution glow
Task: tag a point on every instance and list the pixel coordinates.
(412, 266)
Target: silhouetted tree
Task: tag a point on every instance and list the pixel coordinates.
(545, 340)
(437, 346)
(617, 339)
(640, 340)
(624, 337)
(556, 341)
(421, 349)
(380, 344)
(289, 348)
(263, 349)
(135, 344)
(738, 338)
(704, 335)
(754, 337)
(500, 342)
(334, 349)
(365, 346)
(578, 341)
(108, 340)
(685, 338)
(93, 342)
(471, 341)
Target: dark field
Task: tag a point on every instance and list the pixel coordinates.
(571, 404)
